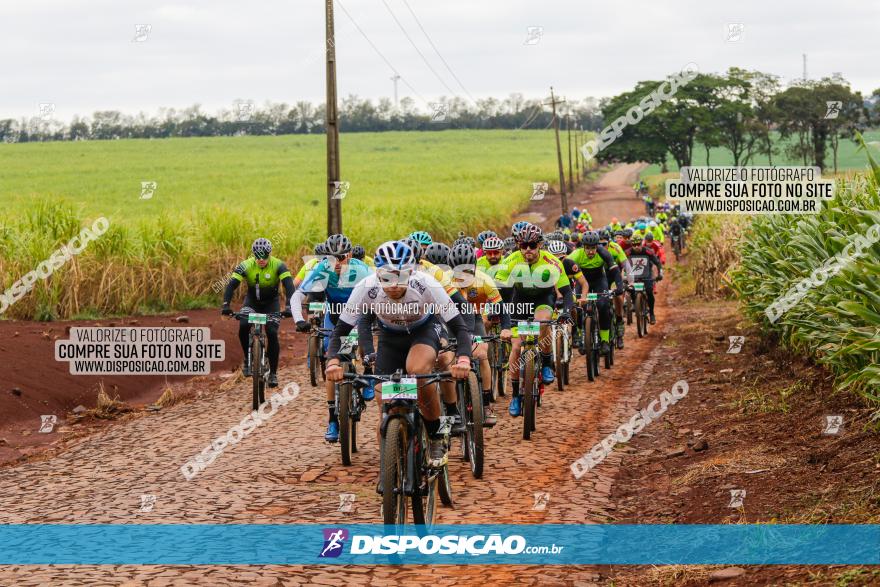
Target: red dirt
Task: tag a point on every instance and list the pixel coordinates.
(45, 386)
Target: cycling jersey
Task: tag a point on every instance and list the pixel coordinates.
(545, 272)
(571, 269)
(307, 266)
(484, 264)
(596, 268)
(424, 299)
(658, 233)
(439, 275)
(616, 252)
(323, 278)
(641, 261)
(263, 282)
(480, 289)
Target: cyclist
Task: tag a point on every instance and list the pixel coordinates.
(655, 247)
(263, 273)
(676, 232)
(599, 268)
(479, 290)
(642, 258)
(572, 271)
(328, 279)
(481, 239)
(615, 224)
(623, 263)
(656, 230)
(438, 254)
(404, 302)
(586, 219)
(528, 277)
(493, 251)
(358, 252)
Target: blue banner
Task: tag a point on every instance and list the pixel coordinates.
(374, 544)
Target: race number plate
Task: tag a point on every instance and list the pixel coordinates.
(406, 389)
(639, 286)
(592, 297)
(316, 306)
(254, 318)
(528, 328)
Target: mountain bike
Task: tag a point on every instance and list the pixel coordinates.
(258, 358)
(409, 486)
(591, 341)
(350, 402)
(315, 358)
(677, 243)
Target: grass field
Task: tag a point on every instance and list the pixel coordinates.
(215, 195)
(847, 157)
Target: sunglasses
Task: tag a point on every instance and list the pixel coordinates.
(524, 246)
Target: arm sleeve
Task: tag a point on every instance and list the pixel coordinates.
(231, 285)
(365, 333)
(286, 282)
(462, 333)
(296, 301)
(567, 298)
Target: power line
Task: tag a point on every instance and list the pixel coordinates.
(379, 53)
(419, 51)
(437, 51)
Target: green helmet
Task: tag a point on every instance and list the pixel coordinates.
(422, 237)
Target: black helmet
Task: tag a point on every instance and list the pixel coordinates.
(590, 239)
(261, 248)
(437, 253)
(530, 234)
(358, 252)
(649, 236)
(415, 246)
(604, 235)
(462, 254)
(509, 243)
(337, 244)
(627, 232)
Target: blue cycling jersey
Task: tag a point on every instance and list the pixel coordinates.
(338, 287)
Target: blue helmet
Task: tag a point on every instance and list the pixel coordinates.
(641, 226)
(394, 255)
(575, 212)
(519, 227)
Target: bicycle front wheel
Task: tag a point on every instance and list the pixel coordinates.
(394, 501)
(347, 425)
(425, 481)
(474, 425)
(257, 371)
(528, 398)
(314, 361)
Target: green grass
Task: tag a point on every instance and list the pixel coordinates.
(847, 157)
(215, 195)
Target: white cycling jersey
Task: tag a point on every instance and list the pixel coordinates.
(424, 298)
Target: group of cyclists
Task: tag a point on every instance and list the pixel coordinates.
(416, 295)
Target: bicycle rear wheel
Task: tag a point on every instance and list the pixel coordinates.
(492, 358)
(527, 387)
(558, 363)
(425, 481)
(588, 347)
(257, 371)
(503, 356)
(347, 425)
(474, 425)
(395, 505)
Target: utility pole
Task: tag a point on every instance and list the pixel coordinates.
(805, 67)
(577, 157)
(394, 78)
(570, 176)
(334, 206)
(554, 102)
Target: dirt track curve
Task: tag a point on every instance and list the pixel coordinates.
(298, 477)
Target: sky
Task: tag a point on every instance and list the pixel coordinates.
(87, 55)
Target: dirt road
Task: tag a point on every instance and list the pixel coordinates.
(285, 473)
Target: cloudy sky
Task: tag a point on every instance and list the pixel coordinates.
(82, 56)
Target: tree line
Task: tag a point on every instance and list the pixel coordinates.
(744, 112)
(245, 118)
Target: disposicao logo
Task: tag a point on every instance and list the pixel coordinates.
(334, 540)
